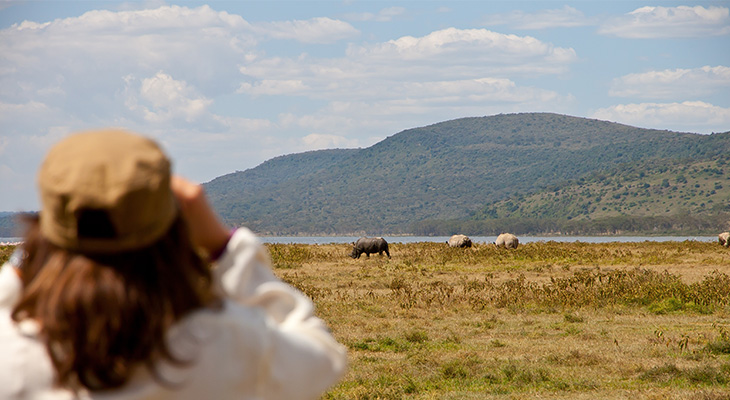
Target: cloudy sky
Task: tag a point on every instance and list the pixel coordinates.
(226, 85)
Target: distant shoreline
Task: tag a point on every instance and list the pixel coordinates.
(12, 241)
(486, 239)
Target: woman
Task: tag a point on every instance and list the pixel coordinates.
(110, 296)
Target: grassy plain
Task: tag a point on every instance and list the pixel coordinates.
(549, 320)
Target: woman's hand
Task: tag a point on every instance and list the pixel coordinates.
(206, 229)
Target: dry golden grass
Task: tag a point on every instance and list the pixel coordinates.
(549, 320)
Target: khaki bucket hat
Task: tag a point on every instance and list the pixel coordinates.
(105, 192)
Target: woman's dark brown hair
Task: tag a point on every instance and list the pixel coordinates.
(101, 317)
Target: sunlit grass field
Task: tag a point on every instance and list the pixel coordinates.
(548, 320)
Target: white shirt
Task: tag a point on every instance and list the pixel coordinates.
(266, 343)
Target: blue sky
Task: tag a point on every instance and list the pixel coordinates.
(226, 85)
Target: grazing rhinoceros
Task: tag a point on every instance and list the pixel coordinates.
(724, 239)
(507, 240)
(369, 245)
(459, 241)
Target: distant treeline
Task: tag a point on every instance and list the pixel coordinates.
(619, 225)
(686, 224)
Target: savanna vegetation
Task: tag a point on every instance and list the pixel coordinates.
(548, 320)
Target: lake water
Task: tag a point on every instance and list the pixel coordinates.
(475, 239)
(486, 239)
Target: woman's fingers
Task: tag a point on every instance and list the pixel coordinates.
(206, 230)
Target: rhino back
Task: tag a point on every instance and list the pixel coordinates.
(507, 240)
(459, 241)
(370, 243)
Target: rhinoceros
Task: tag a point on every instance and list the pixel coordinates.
(724, 239)
(507, 240)
(459, 241)
(369, 245)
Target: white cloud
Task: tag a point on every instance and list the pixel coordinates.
(670, 22)
(385, 106)
(386, 88)
(105, 59)
(384, 15)
(692, 116)
(446, 74)
(79, 58)
(480, 91)
(435, 74)
(181, 19)
(169, 98)
(315, 30)
(566, 17)
(469, 49)
(673, 83)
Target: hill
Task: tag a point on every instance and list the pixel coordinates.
(658, 198)
(468, 170)
(659, 189)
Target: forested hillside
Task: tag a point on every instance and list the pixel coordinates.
(663, 197)
(278, 170)
(651, 189)
(470, 169)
